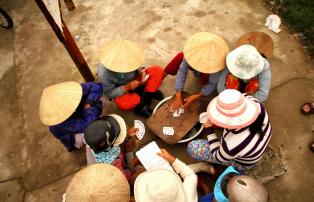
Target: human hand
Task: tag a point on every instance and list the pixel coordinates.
(208, 124)
(132, 85)
(87, 106)
(132, 131)
(168, 157)
(176, 103)
(79, 140)
(189, 100)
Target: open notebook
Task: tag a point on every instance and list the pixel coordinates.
(149, 158)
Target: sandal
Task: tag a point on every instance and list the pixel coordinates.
(312, 146)
(311, 110)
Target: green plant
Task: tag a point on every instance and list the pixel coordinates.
(299, 15)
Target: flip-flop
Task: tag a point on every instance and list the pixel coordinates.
(311, 111)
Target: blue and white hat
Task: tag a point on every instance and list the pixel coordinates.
(245, 62)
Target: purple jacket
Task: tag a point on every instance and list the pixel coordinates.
(81, 118)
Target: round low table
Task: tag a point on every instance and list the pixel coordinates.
(188, 137)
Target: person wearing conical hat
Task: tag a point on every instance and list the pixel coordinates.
(162, 185)
(204, 53)
(98, 182)
(232, 186)
(247, 131)
(68, 108)
(108, 140)
(248, 69)
(125, 80)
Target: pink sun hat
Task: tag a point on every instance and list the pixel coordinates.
(231, 110)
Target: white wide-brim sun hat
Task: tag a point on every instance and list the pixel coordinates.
(98, 182)
(122, 56)
(58, 102)
(123, 129)
(245, 62)
(231, 110)
(159, 186)
(206, 52)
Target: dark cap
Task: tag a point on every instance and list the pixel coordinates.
(101, 134)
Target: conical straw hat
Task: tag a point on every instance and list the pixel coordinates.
(262, 42)
(122, 56)
(206, 52)
(58, 102)
(97, 183)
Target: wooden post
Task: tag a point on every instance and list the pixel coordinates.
(69, 43)
(76, 55)
(70, 5)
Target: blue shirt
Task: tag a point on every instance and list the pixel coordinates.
(113, 82)
(207, 198)
(107, 157)
(183, 72)
(66, 130)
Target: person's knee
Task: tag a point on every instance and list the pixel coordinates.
(127, 102)
(199, 150)
(155, 71)
(155, 78)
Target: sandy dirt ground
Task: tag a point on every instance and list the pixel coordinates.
(36, 167)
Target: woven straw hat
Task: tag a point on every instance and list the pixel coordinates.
(260, 40)
(159, 186)
(231, 110)
(245, 62)
(123, 129)
(58, 102)
(98, 182)
(122, 56)
(206, 52)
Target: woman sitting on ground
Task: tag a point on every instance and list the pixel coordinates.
(233, 186)
(105, 139)
(125, 80)
(204, 54)
(247, 131)
(164, 185)
(247, 71)
(68, 108)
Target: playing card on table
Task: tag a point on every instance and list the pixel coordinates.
(178, 112)
(141, 129)
(168, 131)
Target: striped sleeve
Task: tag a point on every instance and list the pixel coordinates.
(213, 141)
(222, 154)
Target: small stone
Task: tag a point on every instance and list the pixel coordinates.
(77, 37)
(165, 5)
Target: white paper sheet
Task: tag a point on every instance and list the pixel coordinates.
(149, 158)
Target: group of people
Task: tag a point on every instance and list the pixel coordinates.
(242, 77)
